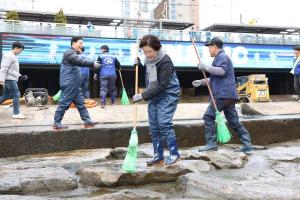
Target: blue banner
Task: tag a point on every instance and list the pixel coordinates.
(46, 49)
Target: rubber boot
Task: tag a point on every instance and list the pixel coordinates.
(158, 158)
(103, 102)
(113, 100)
(246, 143)
(174, 154)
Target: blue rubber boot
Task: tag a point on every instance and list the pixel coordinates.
(158, 158)
(174, 154)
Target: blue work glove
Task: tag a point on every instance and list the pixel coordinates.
(137, 97)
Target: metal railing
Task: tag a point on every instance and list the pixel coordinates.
(28, 27)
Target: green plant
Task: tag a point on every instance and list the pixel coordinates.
(12, 15)
(60, 18)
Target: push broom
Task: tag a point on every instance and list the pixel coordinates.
(124, 99)
(129, 164)
(223, 134)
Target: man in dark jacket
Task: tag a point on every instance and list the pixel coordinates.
(70, 84)
(223, 85)
(107, 74)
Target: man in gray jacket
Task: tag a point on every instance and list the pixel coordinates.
(9, 76)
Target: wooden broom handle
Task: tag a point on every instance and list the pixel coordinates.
(205, 77)
(136, 85)
(121, 78)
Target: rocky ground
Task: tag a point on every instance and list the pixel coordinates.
(272, 172)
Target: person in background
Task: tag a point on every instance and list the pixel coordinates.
(9, 76)
(223, 85)
(162, 94)
(296, 72)
(107, 75)
(85, 77)
(69, 82)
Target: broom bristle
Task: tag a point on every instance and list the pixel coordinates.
(223, 134)
(125, 99)
(130, 161)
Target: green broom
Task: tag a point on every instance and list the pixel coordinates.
(129, 164)
(57, 96)
(223, 134)
(124, 100)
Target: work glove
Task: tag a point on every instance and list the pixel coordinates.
(137, 61)
(198, 83)
(137, 97)
(95, 77)
(23, 78)
(97, 64)
(202, 66)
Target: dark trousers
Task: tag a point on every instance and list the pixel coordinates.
(297, 85)
(232, 119)
(107, 85)
(71, 94)
(11, 89)
(84, 85)
(161, 112)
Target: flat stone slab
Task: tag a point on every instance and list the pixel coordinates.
(35, 180)
(110, 174)
(70, 159)
(206, 187)
(19, 197)
(130, 195)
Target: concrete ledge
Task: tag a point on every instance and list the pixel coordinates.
(264, 130)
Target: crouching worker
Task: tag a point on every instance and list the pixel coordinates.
(223, 85)
(69, 81)
(162, 94)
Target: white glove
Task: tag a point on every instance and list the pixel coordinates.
(95, 77)
(198, 83)
(137, 97)
(97, 64)
(202, 66)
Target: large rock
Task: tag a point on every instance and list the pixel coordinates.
(286, 154)
(131, 195)
(210, 187)
(119, 153)
(18, 197)
(109, 174)
(221, 159)
(34, 180)
(71, 159)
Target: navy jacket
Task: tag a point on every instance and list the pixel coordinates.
(109, 64)
(69, 69)
(167, 83)
(223, 86)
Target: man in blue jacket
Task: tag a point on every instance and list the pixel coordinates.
(296, 72)
(85, 77)
(107, 74)
(223, 85)
(69, 81)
